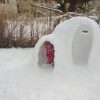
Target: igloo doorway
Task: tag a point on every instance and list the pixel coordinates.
(46, 54)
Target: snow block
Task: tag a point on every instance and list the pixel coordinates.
(76, 42)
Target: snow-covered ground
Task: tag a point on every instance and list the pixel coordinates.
(20, 79)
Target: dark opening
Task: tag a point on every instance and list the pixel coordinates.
(46, 54)
(85, 31)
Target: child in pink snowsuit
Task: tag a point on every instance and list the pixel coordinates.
(50, 54)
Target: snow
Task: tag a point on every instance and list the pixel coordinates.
(71, 42)
(22, 79)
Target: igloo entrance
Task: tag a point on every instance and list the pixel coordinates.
(46, 54)
(81, 46)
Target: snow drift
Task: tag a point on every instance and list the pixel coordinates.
(75, 42)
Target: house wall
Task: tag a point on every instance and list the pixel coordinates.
(8, 6)
(97, 5)
(24, 5)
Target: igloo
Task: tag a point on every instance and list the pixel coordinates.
(75, 42)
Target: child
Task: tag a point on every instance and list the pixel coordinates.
(50, 53)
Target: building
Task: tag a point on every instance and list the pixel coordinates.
(97, 7)
(15, 5)
(24, 5)
(8, 6)
(19, 6)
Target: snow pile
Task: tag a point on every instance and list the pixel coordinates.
(22, 80)
(75, 42)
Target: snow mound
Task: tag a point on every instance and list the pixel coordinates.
(76, 42)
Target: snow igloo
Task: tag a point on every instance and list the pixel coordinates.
(75, 42)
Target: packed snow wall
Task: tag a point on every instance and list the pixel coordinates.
(76, 42)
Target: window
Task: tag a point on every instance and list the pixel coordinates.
(0, 1)
(7, 1)
(4, 1)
